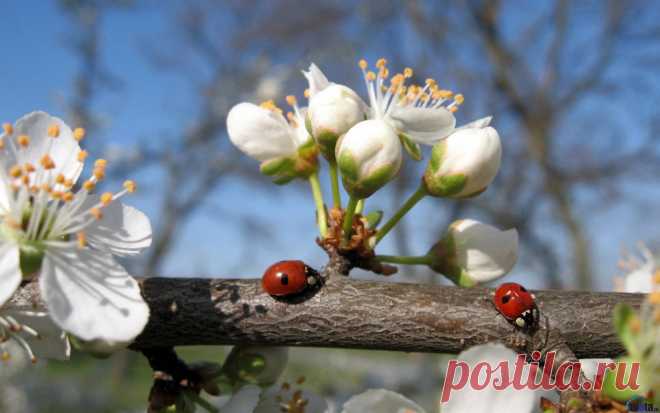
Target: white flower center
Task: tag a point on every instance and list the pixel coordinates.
(384, 97)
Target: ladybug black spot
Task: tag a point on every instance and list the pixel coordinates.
(284, 279)
(506, 299)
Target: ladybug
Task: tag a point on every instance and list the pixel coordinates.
(517, 304)
(286, 278)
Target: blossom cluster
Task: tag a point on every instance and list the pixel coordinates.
(363, 141)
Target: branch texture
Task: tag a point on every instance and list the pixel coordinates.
(359, 314)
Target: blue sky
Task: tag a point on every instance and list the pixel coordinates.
(38, 72)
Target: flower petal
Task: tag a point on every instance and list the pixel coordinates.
(245, 400)
(10, 272)
(380, 401)
(422, 125)
(477, 124)
(123, 230)
(316, 78)
(485, 252)
(91, 296)
(52, 343)
(260, 133)
(63, 150)
(490, 400)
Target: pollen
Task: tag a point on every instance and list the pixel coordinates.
(96, 213)
(371, 75)
(79, 134)
(57, 195)
(100, 163)
(291, 100)
(363, 64)
(68, 183)
(130, 186)
(106, 198)
(54, 130)
(15, 171)
(459, 99)
(407, 72)
(82, 155)
(67, 197)
(23, 140)
(380, 63)
(47, 162)
(8, 128)
(270, 105)
(89, 186)
(82, 240)
(307, 93)
(59, 179)
(26, 180)
(29, 168)
(384, 72)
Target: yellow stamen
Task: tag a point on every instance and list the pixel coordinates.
(407, 72)
(8, 128)
(57, 195)
(46, 188)
(29, 168)
(381, 62)
(656, 276)
(23, 140)
(99, 173)
(371, 75)
(54, 130)
(100, 163)
(47, 162)
(459, 99)
(68, 183)
(82, 155)
(453, 109)
(89, 186)
(34, 189)
(363, 64)
(270, 105)
(67, 197)
(130, 186)
(26, 180)
(59, 179)
(384, 72)
(79, 134)
(307, 93)
(96, 213)
(82, 240)
(106, 198)
(15, 171)
(291, 100)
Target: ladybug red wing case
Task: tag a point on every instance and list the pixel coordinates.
(285, 278)
(515, 303)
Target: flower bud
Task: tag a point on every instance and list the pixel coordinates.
(464, 164)
(332, 112)
(256, 364)
(284, 148)
(368, 156)
(474, 253)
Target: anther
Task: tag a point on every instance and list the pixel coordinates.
(407, 72)
(26, 180)
(29, 168)
(130, 186)
(78, 134)
(15, 171)
(307, 93)
(99, 173)
(82, 155)
(381, 62)
(96, 213)
(59, 179)
(291, 100)
(459, 99)
(100, 163)
(47, 162)
(67, 197)
(89, 186)
(371, 75)
(23, 140)
(106, 198)
(8, 128)
(363, 64)
(54, 130)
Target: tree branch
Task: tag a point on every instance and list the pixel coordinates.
(358, 314)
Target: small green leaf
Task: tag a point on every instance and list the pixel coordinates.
(623, 318)
(413, 148)
(373, 218)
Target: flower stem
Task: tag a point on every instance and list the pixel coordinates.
(321, 218)
(360, 206)
(405, 259)
(334, 182)
(407, 206)
(348, 218)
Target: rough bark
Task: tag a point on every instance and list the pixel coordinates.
(359, 314)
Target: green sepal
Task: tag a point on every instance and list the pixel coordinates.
(373, 218)
(277, 166)
(413, 148)
(623, 319)
(444, 186)
(609, 382)
(31, 257)
(327, 142)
